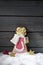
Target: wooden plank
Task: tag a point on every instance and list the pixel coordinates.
(7, 35)
(27, 8)
(37, 50)
(9, 48)
(5, 42)
(32, 23)
(36, 39)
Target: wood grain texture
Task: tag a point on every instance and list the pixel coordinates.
(27, 8)
(9, 48)
(32, 23)
(36, 39)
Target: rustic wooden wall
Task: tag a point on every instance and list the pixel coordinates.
(23, 13)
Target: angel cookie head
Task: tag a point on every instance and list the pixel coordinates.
(21, 30)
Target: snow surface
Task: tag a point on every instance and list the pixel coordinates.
(22, 59)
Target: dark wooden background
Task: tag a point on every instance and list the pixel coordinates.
(23, 13)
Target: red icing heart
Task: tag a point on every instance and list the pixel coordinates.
(19, 44)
